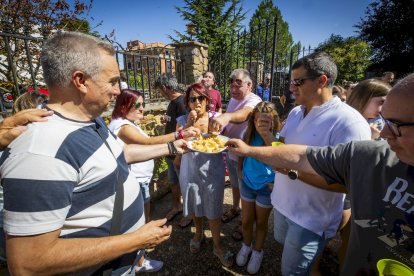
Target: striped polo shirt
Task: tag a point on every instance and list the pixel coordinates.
(61, 174)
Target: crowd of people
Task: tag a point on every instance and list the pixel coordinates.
(76, 192)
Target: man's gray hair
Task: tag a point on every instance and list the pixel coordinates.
(168, 80)
(317, 64)
(67, 52)
(244, 72)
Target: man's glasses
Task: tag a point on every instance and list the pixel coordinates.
(395, 126)
(138, 105)
(199, 98)
(301, 81)
(238, 82)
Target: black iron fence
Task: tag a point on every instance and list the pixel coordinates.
(261, 52)
(19, 65)
(141, 70)
(20, 68)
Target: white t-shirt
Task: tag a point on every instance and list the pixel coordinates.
(332, 123)
(143, 171)
(238, 130)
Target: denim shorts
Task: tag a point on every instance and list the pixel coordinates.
(172, 172)
(145, 190)
(300, 246)
(261, 197)
(233, 177)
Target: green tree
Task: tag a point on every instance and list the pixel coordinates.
(351, 55)
(215, 22)
(388, 28)
(265, 15)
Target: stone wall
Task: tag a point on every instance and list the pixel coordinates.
(194, 56)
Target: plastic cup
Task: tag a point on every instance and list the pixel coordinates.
(389, 267)
(275, 144)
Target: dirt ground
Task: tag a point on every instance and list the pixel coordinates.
(178, 260)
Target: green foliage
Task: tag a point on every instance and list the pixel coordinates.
(388, 28)
(160, 166)
(216, 22)
(137, 80)
(351, 55)
(74, 24)
(265, 14)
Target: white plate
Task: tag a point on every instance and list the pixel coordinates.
(206, 135)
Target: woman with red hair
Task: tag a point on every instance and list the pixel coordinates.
(129, 109)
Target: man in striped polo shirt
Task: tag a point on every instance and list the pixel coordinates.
(60, 177)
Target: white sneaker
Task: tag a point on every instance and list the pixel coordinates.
(149, 265)
(255, 262)
(243, 255)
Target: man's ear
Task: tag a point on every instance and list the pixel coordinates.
(79, 80)
(323, 80)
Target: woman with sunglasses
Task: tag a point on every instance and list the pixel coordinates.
(202, 176)
(129, 109)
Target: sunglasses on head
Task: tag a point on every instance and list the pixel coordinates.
(138, 105)
(199, 98)
(238, 82)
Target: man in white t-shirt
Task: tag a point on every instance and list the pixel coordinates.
(307, 217)
(234, 125)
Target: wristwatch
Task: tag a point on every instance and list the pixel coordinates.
(292, 174)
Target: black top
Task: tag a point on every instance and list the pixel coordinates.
(175, 109)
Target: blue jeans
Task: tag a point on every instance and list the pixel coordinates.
(233, 177)
(172, 172)
(300, 246)
(260, 197)
(145, 191)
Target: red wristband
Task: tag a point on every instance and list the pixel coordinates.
(180, 134)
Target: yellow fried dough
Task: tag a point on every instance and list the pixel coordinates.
(209, 144)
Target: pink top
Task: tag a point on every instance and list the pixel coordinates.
(238, 130)
(215, 100)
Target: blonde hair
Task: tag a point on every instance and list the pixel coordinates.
(364, 91)
(28, 100)
(262, 107)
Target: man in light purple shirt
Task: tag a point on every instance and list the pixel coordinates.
(233, 124)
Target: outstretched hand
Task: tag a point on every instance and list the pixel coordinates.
(238, 147)
(191, 132)
(181, 146)
(154, 233)
(12, 127)
(217, 124)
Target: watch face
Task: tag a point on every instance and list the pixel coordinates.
(292, 174)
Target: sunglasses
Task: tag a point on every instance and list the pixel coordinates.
(199, 98)
(395, 126)
(238, 82)
(301, 81)
(138, 105)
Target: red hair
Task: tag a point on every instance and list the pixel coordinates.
(124, 102)
(199, 89)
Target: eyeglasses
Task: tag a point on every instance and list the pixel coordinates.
(394, 126)
(299, 82)
(199, 98)
(138, 105)
(238, 82)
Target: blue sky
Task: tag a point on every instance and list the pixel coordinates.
(310, 21)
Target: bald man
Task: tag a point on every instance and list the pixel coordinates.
(378, 175)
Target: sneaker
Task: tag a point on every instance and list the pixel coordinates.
(149, 266)
(255, 262)
(243, 255)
